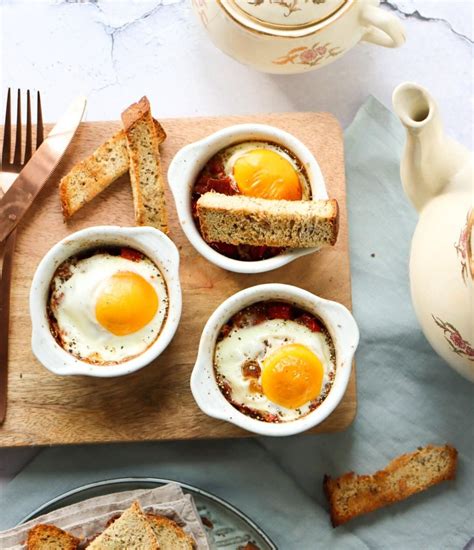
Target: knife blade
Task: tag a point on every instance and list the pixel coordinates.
(18, 199)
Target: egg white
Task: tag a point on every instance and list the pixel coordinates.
(256, 343)
(231, 154)
(73, 305)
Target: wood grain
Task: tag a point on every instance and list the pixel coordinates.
(156, 402)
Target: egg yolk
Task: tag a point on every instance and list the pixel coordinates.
(126, 303)
(265, 174)
(291, 376)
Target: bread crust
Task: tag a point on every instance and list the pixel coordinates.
(146, 176)
(172, 528)
(42, 535)
(351, 495)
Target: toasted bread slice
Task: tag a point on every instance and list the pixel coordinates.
(352, 495)
(145, 166)
(169, 534)
(131, 531)
(89, 177)
(49, 537)
(260, 222)
(92, 175)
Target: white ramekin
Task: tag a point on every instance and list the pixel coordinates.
(151, 242)
(337, 319)
(189, 161)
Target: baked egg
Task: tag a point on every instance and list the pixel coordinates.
(260, 169)
(274, 361)
(265, 170)
(107, 306)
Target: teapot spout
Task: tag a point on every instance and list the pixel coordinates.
(430, 159)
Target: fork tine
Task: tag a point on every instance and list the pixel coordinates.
(39, 121)
(29, 138)
(7, 134)
(17, 156)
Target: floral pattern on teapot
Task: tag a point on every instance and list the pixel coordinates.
(290, 5)
(461, 248)
(309, 56)
(455, 340)
(458, 344)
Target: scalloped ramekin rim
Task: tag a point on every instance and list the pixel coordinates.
(189, 160)
(338, 320)
(152, 242)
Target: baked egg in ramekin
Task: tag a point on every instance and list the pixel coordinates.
(248, 157)
(274, 359)
(105, 301)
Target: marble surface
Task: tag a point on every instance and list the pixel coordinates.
(115, 51)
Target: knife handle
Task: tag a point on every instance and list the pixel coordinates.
(5, 286)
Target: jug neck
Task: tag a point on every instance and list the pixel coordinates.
(430, 158)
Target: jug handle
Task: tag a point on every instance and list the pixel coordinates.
(384, 28)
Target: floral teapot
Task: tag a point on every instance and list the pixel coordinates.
(294, 36)
(438, 177)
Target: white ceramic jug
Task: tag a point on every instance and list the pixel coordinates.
(294, 36)
(438, 177)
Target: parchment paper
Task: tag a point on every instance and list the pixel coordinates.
(88, 518)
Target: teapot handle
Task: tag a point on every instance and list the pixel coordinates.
(384, 28)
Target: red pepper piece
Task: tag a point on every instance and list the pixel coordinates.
(279, 311)
(130, 254)
(202, 184)
(221, 185)
(259, 316)
(310, 322)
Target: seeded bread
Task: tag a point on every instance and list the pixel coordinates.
(352, 495)
(49, 537)
(131, 531)
(235, 219)
(145, 166)
(92, 175)
(169, 534)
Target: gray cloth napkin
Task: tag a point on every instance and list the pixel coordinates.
(407, 397)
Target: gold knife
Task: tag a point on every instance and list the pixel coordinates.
(17, 200)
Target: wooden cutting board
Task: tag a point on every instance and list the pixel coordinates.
(156, 402)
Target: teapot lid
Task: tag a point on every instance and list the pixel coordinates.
(283, 14)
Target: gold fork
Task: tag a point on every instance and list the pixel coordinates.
(10, 170)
